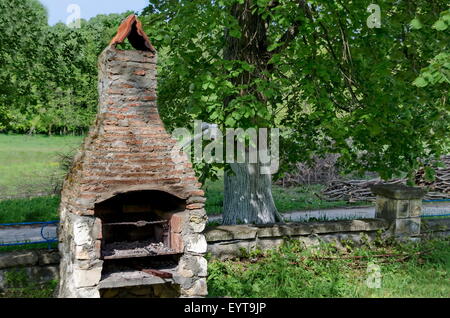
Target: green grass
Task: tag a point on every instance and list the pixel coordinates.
(19, 285)
(29, 210)
(27, 247)
(286, 199)
(29, 165)
(292, 271)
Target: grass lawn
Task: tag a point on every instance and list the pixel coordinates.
(38, 246)
(29, 165)
(37, 209)
(294, 272)
(20, 286)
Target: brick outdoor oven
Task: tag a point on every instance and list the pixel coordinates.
(131, 219)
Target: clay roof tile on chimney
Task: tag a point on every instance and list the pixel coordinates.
(131, 28)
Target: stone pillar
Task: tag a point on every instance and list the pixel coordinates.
(401, 206)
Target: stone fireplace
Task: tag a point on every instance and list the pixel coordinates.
(131, 218)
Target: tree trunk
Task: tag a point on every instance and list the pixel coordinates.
(247, 192)
(248, 196)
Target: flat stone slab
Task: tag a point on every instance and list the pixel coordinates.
(48, 257)
(246, 232)
(230, 232)
(29, 258)
(398, 191)
(438, 225)
(299, 229)
(131, 278)
(18, 258)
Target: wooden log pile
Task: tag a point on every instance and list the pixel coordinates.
(321, 171)
(359, 190)
(440, 187)
(353, 190)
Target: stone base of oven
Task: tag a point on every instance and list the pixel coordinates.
(135, 278)
(167, 290)
(81, 270)
(185, 286)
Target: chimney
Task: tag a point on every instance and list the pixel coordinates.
(131, 219)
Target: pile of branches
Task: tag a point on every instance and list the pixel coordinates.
(440, 187)
(354, 190)
(359, 190)
(321, 171)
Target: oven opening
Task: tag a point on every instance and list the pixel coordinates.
(139, 245)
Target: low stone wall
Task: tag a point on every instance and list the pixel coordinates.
(223, 242)
(226, 242)
(39, 265)
(436, 227)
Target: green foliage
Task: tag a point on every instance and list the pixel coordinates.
(37, 246)
(20, 285)
(29, 210)
(330, 82)
(48, 77)
(22, 22)
(333, 84)
(293, 271)
(438, 71)
(443, 22)
(274, 275)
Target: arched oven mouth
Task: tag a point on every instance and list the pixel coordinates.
(140, 237)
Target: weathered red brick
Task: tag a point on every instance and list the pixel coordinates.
(176, 242)
(176, 223)
(140, 73)
(197, 193)
(115, 92)
(195, 206)
(126, 86)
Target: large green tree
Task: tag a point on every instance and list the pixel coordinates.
(314, 68)
(69, 60)
(438, 71)
(48, 74)
(22, 27)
